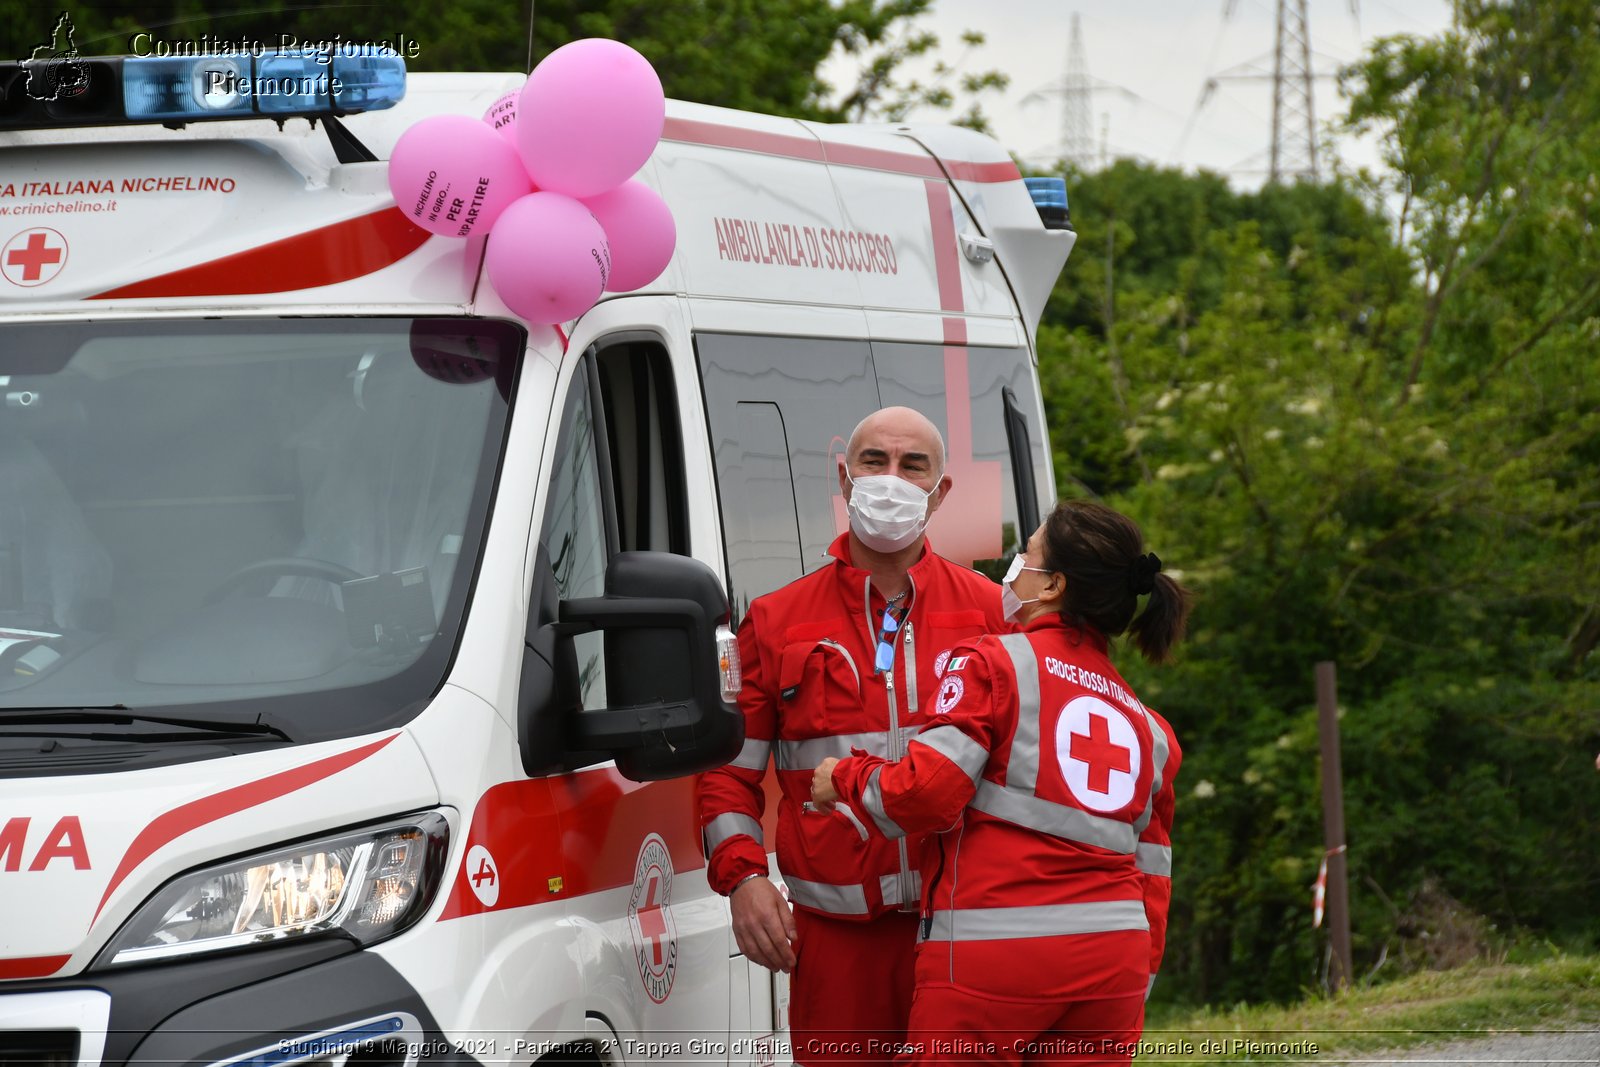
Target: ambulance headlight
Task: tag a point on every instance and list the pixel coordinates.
(367, 884)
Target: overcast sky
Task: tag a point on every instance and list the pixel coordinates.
(1150, 61)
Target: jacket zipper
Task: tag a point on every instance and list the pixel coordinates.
(897, 749)
(848, 658)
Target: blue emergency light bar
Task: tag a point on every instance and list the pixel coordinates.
(1050, 197)
(131, 90)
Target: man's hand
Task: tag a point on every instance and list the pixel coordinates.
(822, 792)
(763, 925)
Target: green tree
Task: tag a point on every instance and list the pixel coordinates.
(1363, 421)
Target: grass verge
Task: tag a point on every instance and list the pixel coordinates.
(1421, 1009)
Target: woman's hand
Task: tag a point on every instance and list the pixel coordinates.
(822, 792)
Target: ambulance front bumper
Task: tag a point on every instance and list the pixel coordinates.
(325, 1004)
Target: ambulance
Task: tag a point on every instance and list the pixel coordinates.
(359, 641)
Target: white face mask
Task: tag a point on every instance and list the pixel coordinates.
(1009, 601)
(887, 513)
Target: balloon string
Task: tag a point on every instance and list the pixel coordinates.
(561, 334)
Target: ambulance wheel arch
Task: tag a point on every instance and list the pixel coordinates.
(621, 626)
(598, 1049)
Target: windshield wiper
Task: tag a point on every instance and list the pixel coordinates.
(120, 715)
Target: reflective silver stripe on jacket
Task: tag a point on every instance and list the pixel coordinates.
(955, 746)
(844, 809)
(753, 756)
(1017, 801)
(727, 825)
(833, 899)
(1058, 820)
(807, 755)
(1022, 772)
(1040, 920)
(1158, 756)
(889, 886)
(910, 645)
(1154, 859)
(872, 800)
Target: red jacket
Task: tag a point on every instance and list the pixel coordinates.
(807, 653)
(1053, 786)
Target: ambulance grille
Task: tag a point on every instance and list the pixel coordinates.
(38, 1048)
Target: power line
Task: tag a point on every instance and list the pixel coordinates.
(1077, 140)
(1294, 126)
(1078, 89)
(1292, 150)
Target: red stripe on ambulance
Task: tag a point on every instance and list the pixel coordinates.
(341, 252)
(31, 966)
(961, 171)
(972, 530)
(197, 813)
(793, 146)
(553, 838)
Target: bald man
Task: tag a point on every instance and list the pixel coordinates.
(848, 658)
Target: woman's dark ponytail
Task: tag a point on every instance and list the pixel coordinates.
(1101, 553)
(1163, 621)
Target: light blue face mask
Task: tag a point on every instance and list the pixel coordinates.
(1009, 602)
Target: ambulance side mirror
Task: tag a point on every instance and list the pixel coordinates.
(665, 716)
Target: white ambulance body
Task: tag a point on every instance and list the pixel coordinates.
(298, 525)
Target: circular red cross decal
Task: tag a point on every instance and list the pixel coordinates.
(655, 932)
(33, 257)
(1098, 750)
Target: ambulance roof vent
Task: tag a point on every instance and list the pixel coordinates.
(1050, 197)
(72, 90)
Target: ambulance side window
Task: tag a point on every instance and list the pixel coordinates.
(576, 533)
(646, 448)
(762, 530)
(984, 521)
(780, 410)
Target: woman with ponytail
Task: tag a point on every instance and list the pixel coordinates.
(1045, 901)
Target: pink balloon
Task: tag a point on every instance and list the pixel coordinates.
(548, 258)
(502, 115)
(639, 226)
(590, 115)
(453, 176)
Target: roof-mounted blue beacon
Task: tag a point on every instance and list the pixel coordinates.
(1050, 197)
(129, 90)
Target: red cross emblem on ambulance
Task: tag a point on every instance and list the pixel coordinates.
(33, 257)
(655, 930)
(1098, 752)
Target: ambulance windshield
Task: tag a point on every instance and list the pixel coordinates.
(227, 519)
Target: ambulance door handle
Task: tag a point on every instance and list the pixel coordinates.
(976, 248)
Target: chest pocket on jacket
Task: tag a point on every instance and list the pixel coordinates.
(938, 635)
(819, 689)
